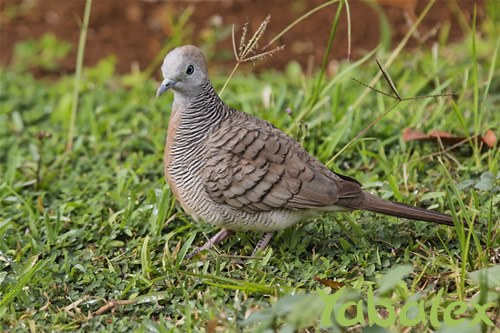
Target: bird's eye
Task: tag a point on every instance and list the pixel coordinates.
(190, 70)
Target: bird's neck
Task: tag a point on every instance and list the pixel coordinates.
(200, 111)
(204, 101)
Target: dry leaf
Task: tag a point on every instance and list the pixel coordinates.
(329, 283)
(410, 134)
(490, 138)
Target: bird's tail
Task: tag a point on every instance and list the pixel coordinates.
(372, 203)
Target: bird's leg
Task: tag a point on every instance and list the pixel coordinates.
(219, 237)
(262, 243)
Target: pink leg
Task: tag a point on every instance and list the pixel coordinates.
(262, 243)
(219, 237)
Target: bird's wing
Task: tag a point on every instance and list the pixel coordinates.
(253, 166)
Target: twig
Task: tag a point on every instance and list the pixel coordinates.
(446, 150)
(243, 36)
(443, 151)
(388, 79)
(264, 54)
(249, 48)
(234, 44)
(396, 51)
(374, 89)
(113, 304)
(76, 303)
(245, 49)
(397, 97)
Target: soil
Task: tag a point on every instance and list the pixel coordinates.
(136, 30)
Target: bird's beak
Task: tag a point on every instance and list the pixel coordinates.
(165, 85)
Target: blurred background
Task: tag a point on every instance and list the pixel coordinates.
(44, 34)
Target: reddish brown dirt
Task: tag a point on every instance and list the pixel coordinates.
(135, 30)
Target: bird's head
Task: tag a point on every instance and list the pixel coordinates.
(184, 70)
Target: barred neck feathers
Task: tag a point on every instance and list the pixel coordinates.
(199, 113)
(205, 102)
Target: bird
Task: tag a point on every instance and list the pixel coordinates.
(241, 173)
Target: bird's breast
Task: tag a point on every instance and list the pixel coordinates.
(183, 162)
(169, 158)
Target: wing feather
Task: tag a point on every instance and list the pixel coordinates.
(251, 165)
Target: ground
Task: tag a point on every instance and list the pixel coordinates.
(134, 31)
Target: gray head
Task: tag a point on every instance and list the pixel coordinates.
(184, 70)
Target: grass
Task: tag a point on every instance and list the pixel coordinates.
(78, 73)
(91, 239)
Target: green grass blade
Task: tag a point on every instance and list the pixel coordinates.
(78, 74)
(21, 284)
(145, 259)
(325, 57)
(294, 23)
(182, 253)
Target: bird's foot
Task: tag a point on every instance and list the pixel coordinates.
(219, 237)
(261, 245)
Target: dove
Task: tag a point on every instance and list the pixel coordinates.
(241, 173)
